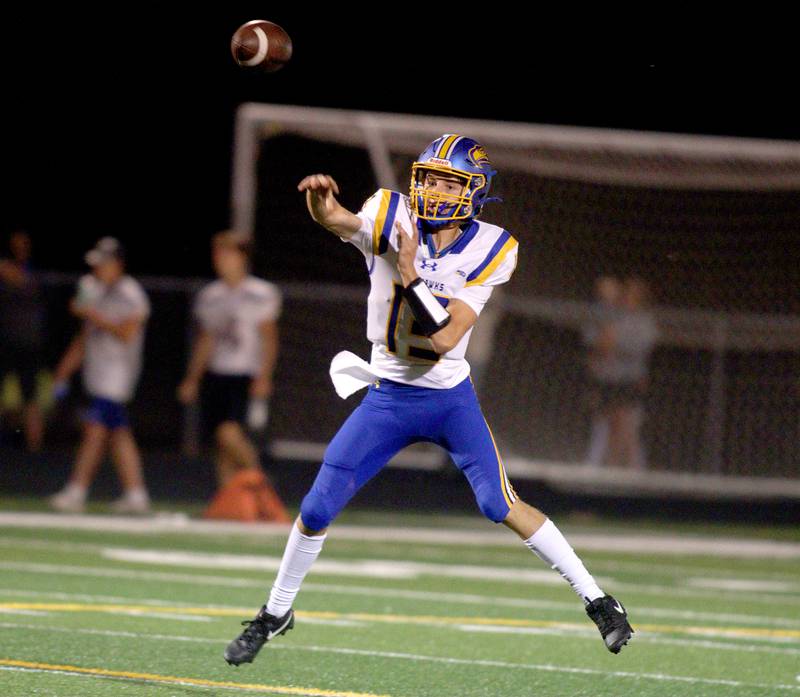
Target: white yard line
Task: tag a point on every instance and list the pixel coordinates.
(409, 570)
(430, 596)
(93, 598)
(544, 667)
(237, 582)
(547, 667)
(32, 613)
(649, 638)
(670, 570)
(590, 634)
(745, 585)
(702, 545)
(500, 601)
(335, 623)
(366, 568)
(688, 576)
(165, 616)
(476, 624)
(112, 633)
(48, 545)
(662, 590)
(616, 567)
(135, 574)
(434, 597)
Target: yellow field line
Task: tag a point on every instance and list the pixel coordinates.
(746, 632)
(106, 607)
(199, 682)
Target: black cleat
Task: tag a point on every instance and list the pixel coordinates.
(243, 649)
(611, 619)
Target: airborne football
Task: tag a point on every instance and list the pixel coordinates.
(261, 45)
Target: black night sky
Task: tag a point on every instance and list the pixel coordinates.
(122, 123)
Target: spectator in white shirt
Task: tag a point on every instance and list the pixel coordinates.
(114, 309)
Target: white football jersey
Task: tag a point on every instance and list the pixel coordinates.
(111, 366)
(482, 256)
(232, 315)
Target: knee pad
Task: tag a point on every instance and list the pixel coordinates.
(332, 489)
(314, 513)
(492, 505)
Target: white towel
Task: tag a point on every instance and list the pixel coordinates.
(350, 373)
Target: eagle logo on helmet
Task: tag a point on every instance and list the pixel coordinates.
(478, 155)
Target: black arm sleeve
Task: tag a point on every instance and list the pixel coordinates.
(427, 310)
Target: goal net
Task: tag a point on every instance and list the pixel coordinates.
(706, 228)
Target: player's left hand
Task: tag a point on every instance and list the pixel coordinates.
(406, 253)
(93, 316)
(78, 309)
(261, 387)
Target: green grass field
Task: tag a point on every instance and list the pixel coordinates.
(461, 612)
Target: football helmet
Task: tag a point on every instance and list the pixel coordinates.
(454, 156)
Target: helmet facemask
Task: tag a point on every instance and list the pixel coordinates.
(439, 206)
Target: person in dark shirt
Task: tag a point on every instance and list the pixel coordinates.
(21, 330)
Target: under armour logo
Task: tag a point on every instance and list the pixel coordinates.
(432, 265)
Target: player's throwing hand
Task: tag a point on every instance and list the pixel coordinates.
(325, 209)
(320, 189)
(407, 252)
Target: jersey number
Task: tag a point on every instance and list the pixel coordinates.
(404, 337)
(229, 335)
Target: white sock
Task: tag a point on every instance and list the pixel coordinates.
(75, 490)
(552, 548)
(301, 551)
(137, 494)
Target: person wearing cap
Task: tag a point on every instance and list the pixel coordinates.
(114, 309)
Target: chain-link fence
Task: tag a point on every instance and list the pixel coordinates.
(691, 364)
(707, 230)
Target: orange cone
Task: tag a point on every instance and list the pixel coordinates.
(248, 496)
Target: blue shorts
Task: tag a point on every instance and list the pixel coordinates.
(393, 415)
(107, 413)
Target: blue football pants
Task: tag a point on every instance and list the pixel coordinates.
(393, 415)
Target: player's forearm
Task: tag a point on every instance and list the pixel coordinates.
(71, 360)
(407, 274)
(462, 318)
(446, 338)
(339, 221)
(124, 331)
(201, 355)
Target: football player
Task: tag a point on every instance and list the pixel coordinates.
(234, 354)
(432, 266)
(114, 309)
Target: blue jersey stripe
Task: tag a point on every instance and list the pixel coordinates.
(383, 245)
(461, 243)
(504, 237)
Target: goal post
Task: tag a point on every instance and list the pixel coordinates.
(711, 225)
(568, 152)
